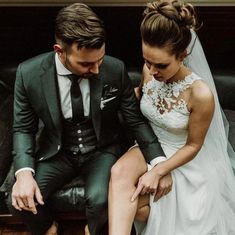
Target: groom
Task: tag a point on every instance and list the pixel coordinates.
(77, 92)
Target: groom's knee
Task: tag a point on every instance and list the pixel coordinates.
(97, 201)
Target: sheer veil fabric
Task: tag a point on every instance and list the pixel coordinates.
(196, 61)
(216, 140)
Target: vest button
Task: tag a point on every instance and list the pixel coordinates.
(80, 145)
(79, 139)
(79, 131)
(74, 153)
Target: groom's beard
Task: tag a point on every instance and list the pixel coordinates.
(68, 65)
(89, 76)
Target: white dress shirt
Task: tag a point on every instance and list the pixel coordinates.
(64, 90)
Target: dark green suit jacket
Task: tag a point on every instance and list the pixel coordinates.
(36, 97)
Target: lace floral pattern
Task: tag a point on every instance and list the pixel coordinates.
(165, 95)
(163, 105)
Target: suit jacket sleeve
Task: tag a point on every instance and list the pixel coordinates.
(139, 126)
(25, 124)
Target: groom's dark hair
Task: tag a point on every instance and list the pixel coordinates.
(78, 23)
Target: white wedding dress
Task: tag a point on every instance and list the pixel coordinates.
(201, 202)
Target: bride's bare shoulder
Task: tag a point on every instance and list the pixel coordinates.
(202, 97)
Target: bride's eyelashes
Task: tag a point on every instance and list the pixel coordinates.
(156, 66)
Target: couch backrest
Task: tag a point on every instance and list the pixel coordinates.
(225, 86)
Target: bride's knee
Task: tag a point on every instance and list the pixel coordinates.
(122, 173)
(142, 213)
(128, 168)
(119, 172)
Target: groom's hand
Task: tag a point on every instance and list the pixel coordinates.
(25, 191)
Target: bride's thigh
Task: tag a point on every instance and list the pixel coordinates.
(143, 208)
(130, 166)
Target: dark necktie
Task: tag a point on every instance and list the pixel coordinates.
(76, 99)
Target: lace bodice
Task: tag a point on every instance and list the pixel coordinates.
(165, 108)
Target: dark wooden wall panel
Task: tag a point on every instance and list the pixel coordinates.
(218, 35)
(27, 31)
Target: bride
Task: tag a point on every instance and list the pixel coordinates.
(178, 97)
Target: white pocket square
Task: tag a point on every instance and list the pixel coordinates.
(108, 95)
(104, 102)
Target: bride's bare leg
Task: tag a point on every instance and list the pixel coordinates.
(124, 176)
(143, 209)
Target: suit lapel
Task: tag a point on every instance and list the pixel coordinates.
(95, 96)
(49, 84)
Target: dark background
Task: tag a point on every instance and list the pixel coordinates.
(28, 31)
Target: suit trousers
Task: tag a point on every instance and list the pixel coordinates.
(55, 172)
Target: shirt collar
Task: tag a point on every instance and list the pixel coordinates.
(60, 68)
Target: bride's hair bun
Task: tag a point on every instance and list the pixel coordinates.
(168, 23)
(182, 13)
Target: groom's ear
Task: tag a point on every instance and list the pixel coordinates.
(58, 49)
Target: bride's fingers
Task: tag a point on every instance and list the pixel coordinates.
(145, 190)
(160, 193)
(137, 192)
(168, 190)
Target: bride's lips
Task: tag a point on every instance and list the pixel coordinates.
(157, 77)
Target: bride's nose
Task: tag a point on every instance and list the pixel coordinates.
(153, 70)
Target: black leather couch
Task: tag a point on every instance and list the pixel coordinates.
(70, 198)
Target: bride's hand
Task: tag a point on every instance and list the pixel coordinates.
(155, 183)
(148, 183)
(164, 186)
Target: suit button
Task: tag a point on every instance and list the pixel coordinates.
(79, 131)
(74, 153)
(79, 139)
(80, 145)
(58, 147)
